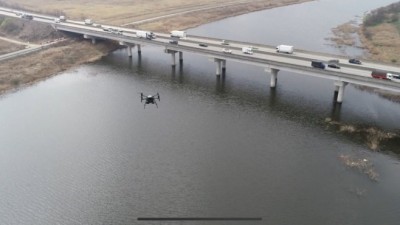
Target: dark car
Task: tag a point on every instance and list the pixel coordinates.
(203, 45)
(174, 42)
(355, 61)
(333, 65)
(317, 64)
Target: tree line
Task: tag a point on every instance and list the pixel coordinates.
(389, 14)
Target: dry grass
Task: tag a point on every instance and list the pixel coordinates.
(126, 11)
(201, 17)
(7, 47)
(28, 69)
(112, 9)
(371, 136)
(383, 42)
(362, 165)
(344, 34)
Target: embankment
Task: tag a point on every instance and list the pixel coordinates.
(30, 68)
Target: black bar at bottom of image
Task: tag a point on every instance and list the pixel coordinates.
(199, 218)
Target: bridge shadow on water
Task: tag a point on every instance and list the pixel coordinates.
(228, 90)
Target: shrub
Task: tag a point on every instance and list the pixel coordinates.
(388, 13)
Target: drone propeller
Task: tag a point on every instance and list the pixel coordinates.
(158, 95)
(141, 96)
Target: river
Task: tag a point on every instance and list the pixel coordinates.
(80, 148)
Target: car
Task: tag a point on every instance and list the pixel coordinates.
(334, 63)
(228, 51)
(224, 42)
(26, 16)
(317, 64)
(174, 42)
(355, 61)
(203, 45)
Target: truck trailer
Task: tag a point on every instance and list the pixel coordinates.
(285, 49)
(247, 50)
(379, 74)
(88, 22)
(178, 34)
(145, 34)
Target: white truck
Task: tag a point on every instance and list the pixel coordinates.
(62, 18)
(285, 49)
(247, 50)
(88, 22)
(178, 34)
(145, 34)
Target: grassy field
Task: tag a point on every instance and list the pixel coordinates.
(7, 47)
(113, 10)
(126, 11)
(380, 33)
(383, 42)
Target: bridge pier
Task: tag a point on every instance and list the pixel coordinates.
(129, 47)
(220, 66)
(90, 37)
(274, 76)
(129, 51)
(139, 49)
(180, 57)
(339, 91)
(173, 58)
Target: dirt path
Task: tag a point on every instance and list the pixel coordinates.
(18, 42)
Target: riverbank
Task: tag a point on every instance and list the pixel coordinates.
(196, 18)
(379, 35)
(32, 68)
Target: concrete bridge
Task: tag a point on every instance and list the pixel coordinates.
(264, 56)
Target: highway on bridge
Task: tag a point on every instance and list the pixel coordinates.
(264, 55)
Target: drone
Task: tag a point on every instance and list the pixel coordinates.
(149, 99)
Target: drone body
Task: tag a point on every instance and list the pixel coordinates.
(149, 99)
